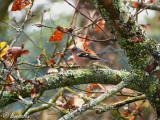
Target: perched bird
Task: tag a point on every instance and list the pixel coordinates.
(83, 58)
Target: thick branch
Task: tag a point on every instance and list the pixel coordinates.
(138, 53)
(69, 78)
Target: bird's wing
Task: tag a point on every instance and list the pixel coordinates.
(88, 55)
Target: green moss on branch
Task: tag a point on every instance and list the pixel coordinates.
(69, 78)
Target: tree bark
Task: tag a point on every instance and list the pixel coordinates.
(68, 78)
(143, 55)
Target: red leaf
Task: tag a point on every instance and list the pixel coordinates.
(56, 36)
(101, 24)
(33, 92)
(19, 4)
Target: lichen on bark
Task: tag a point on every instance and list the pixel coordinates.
(125, 29)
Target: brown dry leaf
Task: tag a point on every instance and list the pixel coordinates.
(33, 92)
(14, 53)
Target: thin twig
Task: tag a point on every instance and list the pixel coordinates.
(86, 17)
(22, 27)
(75, 34)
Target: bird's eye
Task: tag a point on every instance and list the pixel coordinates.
(74, 50)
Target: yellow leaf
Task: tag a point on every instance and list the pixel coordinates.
(2, 44)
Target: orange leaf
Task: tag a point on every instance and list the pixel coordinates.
(61, 54)
(51, 61)
(89, 90)
(101, 24)
(19, 4)
(56, 36)
(10, 79)
(126, 113)
(94, 84)
(135, 4)
(33, 92)
(56, 54)
(84, 45)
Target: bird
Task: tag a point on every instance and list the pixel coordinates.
(83, 58)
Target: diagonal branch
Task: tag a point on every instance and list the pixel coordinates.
(95, 102)
(120, 104)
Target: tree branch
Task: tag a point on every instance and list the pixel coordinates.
(139, 53)
(95, 102)
(69, 78)
(120, 104)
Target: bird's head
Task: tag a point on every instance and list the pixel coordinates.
(75, 50)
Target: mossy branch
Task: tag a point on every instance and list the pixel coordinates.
(69, 78)
(139, 53)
